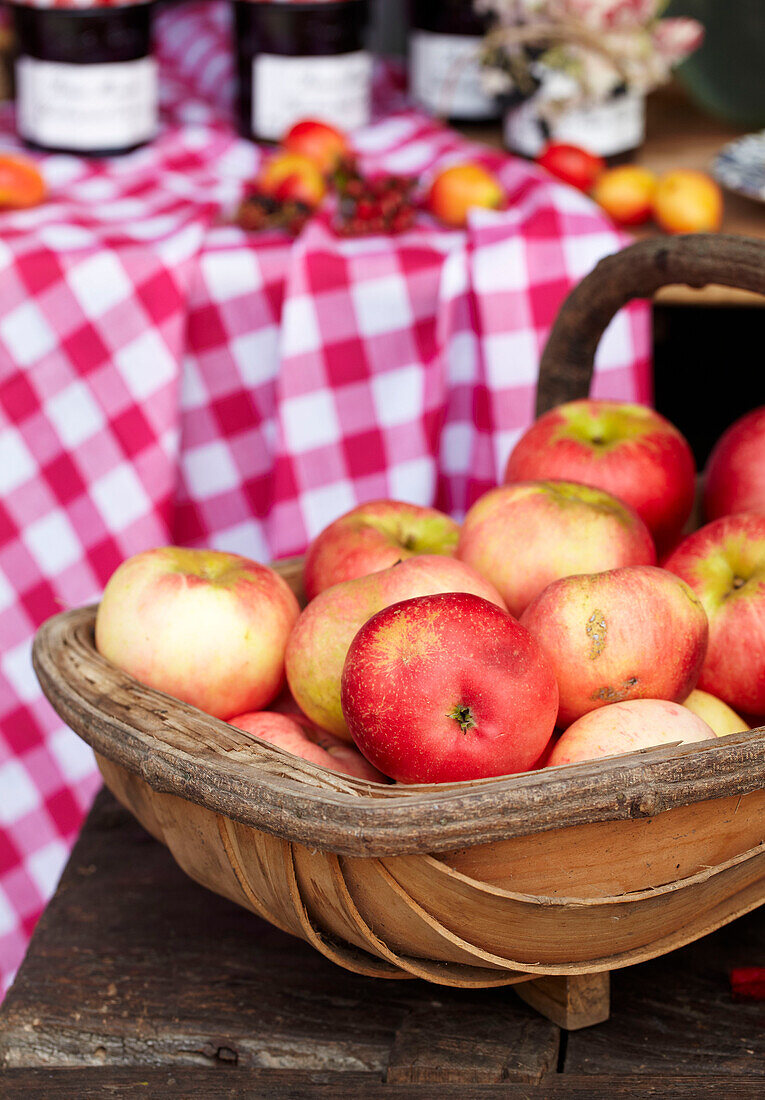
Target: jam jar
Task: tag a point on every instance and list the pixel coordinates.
(302, 59)
(86, 80)
(445, 41)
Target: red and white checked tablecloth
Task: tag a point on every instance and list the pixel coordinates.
(164, 377)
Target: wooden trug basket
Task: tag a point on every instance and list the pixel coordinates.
(545, 881)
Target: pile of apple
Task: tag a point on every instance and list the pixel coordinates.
(540, 632)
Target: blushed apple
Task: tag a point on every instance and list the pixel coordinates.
(718, 715)
(319, 642)
(735, 474)
(724, 563)
(448, 688)
(627, 450)
(207, 627)
(628, 727)
(321, 143)
(319, 748)
(522, 537)
(632, 633)
(375, 536)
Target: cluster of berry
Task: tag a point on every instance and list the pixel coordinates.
(258, 211)
(384, 204)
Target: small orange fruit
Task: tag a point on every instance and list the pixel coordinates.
(458, 189)
(626, 194)
(21, 184)
(290, 177)
(686, 201)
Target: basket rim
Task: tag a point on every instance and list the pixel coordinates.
(178, 750)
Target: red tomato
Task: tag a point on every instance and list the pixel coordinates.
(571, 164)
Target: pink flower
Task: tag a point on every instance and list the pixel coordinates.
(675, 39)
(613, 14)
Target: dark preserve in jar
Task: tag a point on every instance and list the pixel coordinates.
(445, 41)
(86, 81)
(301, 60)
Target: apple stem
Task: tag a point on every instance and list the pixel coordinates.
(464, 716)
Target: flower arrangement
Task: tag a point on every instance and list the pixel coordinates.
(582, 51)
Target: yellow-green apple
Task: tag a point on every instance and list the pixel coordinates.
(375, 536)
(207, 627)
(735, 474)
(316, 746)
(717, 714)
(522, 537)
(628, 450)
(319, 642)
(632, 633)
(724, 563)
(448, 688)
(627, 727)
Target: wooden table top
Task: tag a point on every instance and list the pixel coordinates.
(140, 983)
(681, 135)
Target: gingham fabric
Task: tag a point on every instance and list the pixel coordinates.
(164, 377)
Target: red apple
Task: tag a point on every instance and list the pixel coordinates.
(628, 450)
(448, 688)
(322, 748)
(318, 141)
(289, 177)
(375, 536)
(522, 537)
(735, 476)
(632, 633)
(724, 563)
(628, 727)
(318, 644)
(209, 628)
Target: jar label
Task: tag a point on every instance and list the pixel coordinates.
(336, 89)
(606, 129)
(87, 107)
(446, 75)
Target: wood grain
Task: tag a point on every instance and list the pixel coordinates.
(205, 1084)
(177, 750)
(571, 1003)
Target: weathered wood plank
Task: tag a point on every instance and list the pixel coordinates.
(178, 750)
(676, 1015)
(491, 1043)
(205, 1084)
(134, 964)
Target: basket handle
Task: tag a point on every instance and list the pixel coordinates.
(638, 271)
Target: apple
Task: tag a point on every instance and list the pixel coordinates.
(632, 633)
(320, 142)
(724, 563)
(448, 688)
(718, 715)
(459, 188)
(628, 450)
(375, 536)
(627, 727)
(207, 627)
(319, 642)
(522, 537)
(322, 748)
(289, 177)
(735, 475)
